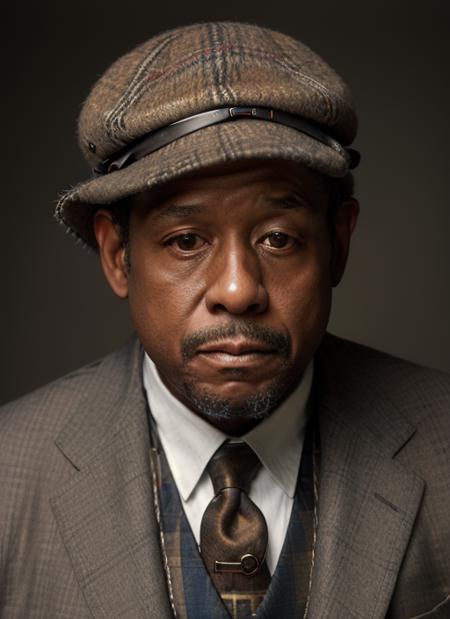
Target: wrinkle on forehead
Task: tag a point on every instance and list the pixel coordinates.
(283, 185)
(289, 201)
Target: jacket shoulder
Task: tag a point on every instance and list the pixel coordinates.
(378, 367)
(30, 424)
(333, 345)
(51, 400)
(417, 392)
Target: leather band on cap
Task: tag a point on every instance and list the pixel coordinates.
(155, 140)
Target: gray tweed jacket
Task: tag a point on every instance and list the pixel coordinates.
(78, 535)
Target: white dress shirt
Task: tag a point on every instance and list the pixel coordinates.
(189, 442)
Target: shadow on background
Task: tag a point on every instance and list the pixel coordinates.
(57, 311)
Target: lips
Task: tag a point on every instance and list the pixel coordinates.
(235, 356)
(235, 348)
(236, 340)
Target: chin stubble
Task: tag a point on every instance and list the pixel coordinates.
(257, 405)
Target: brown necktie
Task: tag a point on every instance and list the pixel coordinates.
(233, 533)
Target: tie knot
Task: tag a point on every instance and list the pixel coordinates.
(234, 465)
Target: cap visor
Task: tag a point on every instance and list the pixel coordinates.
(232, 141)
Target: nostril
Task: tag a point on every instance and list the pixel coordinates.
(252, 308)
(255, 308)
(219, 308)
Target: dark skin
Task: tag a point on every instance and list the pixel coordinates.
(230, 282)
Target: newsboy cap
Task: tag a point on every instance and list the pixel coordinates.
(201, 95)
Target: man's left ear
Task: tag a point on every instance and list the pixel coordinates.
(345, 218)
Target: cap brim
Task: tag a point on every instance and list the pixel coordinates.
(240, 140)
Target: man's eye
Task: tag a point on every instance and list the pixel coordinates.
(186, 242)
(278, 240)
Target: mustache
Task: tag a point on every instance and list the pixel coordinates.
(254, 332)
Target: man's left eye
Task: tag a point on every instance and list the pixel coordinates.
(278, 240)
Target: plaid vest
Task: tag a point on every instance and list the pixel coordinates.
(192, 593)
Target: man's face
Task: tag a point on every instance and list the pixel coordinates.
(229, 285)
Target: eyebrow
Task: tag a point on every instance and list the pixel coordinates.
(288, 201)
(178, 211)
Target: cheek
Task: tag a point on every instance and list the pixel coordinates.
(302, 300)
(160, 306)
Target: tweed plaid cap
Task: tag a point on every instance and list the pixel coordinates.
(193, 69)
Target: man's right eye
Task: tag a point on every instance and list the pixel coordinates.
(186, 242)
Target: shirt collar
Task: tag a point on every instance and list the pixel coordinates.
(278, 439)
(189, 441)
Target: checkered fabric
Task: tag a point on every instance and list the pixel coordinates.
(194, 69)
(194, 595)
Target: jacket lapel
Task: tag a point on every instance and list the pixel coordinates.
(105, 511)
(367, 500)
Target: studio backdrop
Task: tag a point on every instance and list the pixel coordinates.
(58, 312)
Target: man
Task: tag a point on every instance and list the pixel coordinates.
(234, 459)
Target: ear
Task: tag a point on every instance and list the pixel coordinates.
(345, 219)
(112, 252)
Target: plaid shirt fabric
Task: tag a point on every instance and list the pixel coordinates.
(194, 595)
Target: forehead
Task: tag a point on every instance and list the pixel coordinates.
(252, 179)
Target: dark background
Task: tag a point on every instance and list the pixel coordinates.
(57, 311)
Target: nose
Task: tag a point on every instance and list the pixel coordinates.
(236, 285)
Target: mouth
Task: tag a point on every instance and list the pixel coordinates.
(236, 348)
(235, 354)
(234, 343)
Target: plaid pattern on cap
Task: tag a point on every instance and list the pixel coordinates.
(194, 69)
